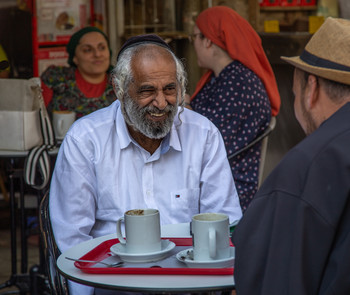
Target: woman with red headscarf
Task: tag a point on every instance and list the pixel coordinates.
(238, 93)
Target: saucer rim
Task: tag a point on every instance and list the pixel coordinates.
(190, 261)
(165, 248)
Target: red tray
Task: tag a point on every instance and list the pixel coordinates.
(102, 251)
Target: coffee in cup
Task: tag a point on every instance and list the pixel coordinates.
(142, 231)
(210, 236)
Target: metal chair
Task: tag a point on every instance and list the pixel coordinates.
(58, 283)
(264, 138)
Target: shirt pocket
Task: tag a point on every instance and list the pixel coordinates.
(185, 203)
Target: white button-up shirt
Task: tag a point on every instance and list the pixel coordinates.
(101, 172)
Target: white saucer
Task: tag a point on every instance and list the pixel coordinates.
(120, 250)
(186, 256)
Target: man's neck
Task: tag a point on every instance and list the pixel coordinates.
(149, 144)
(327, 107)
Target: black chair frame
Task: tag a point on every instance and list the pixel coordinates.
(58, 284)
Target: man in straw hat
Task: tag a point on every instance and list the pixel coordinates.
(294, 237)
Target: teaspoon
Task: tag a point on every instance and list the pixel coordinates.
(115, 264)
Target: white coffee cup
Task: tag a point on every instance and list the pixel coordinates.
(61, 121)
(142, 231)
(210, 236)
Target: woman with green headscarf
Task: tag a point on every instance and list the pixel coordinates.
(84, 86)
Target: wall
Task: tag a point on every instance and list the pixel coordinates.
(288, 131)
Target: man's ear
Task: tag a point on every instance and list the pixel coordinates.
(312, 92)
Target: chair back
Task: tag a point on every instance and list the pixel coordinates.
(264, 140)
(263, 153)
(58, 283)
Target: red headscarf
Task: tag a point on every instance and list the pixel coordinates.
(228, 30)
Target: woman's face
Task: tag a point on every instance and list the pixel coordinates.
(92, 55)
(199, 47)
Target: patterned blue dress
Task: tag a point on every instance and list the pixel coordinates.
(237, 103)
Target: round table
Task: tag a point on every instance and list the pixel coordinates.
(142, 283)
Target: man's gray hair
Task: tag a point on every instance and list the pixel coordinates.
(122, 74)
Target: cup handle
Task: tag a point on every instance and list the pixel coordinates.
(212, 243)
(119, 231)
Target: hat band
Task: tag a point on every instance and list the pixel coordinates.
(313, 60)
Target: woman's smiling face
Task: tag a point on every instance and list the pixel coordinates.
(92, 55)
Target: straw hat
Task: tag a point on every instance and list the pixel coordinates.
(327, 54)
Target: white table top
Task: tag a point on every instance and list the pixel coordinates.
(142, 283)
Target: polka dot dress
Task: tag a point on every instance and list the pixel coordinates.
(237, 103)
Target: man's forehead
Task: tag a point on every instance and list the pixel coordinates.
(151, 51)
(156, 66)
(157, 79)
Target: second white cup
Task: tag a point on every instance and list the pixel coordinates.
(61, 121)
(210, 236)
(142, 231)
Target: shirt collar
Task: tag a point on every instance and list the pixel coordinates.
(174, 140)
(122, 129)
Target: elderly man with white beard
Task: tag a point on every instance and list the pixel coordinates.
(144, 151)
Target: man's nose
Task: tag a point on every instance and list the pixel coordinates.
(160, 100)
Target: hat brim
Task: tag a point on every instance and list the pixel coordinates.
(330, 74)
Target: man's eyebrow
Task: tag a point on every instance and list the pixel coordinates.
(146, 87)
(150, 87)
(170, 85)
